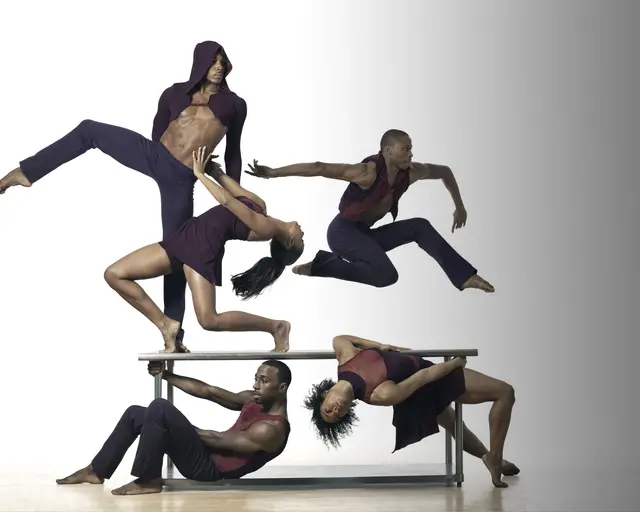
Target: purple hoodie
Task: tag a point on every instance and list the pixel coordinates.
(226, 105)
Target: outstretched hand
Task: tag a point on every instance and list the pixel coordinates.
(459, 218)
(260, 171)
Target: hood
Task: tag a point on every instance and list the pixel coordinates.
(204, 55)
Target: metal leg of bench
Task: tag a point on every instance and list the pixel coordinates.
(170, 367)
(459, 443)
(448, 449)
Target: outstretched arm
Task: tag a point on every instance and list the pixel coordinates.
(444, 173)
(362, 174)
(261, 436)
(199, 389)
(232, 154)
(438, 172)
(390, 393)
(231, 185)
(264, 227)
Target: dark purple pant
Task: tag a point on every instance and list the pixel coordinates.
(153, 159)
(163, 429)
(359, 253)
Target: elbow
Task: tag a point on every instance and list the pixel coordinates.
(317, 169)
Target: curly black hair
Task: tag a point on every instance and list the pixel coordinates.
(330, 433)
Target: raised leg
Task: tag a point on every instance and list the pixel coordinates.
(204, 303)
(145, 263)
(355, 257)
(166, 430)
(125, 146)
(481, 389)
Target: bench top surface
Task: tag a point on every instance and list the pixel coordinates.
(291, 355)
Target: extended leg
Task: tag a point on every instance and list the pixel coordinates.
(125, 146)
(355, 257)
(481, 389)
(166, 430)
(113, 451)
(459, 271)
(145, 263)
(470, 442)
(204, 303)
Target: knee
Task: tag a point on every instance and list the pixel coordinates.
(383, 277)
(208, 321)
(86, 126)
(157, 407)
(420, 225)
(132, 411)
(508, 393)
(112, 274)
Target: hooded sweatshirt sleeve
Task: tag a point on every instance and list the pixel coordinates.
(232, 154)
(162, 118)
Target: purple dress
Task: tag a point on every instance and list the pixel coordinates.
(199, 242)
(416, 417)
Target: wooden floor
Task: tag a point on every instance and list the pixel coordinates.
(586, 489)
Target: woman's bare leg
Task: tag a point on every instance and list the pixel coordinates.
(145, 263)
(480, 389)
(204, 303)
(470, 442)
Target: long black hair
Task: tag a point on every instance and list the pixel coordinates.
(264, 273)
(330, 433)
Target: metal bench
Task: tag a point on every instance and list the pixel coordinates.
(279, 477)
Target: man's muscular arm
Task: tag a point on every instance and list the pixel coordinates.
(161, 119)
(362, 174)
(232, 154)
(438, 172)
(261, 436)
(199, 389)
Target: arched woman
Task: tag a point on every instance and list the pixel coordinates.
(198, 247)
(420, 393)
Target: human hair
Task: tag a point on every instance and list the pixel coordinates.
(390, 137)
(264, 273)
(329, 433)
(284, 372)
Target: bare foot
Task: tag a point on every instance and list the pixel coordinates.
(302, 270)
(509, 468)
(478, 283)
(82, 476)
(15, 177)
(138, 487)
(169, 332)
(281, 337)
(495, 468)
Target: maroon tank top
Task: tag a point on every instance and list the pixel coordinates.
(236, 465)
(372, 366)
(356, 201)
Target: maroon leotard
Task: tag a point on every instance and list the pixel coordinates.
(199, 242)
(416, 417)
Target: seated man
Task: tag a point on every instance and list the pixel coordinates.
(258, 436)
(420, 393)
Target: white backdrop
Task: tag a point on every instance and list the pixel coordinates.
(530, 109)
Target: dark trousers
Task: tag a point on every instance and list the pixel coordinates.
(134, 151)
(163, 429)
(359, 253)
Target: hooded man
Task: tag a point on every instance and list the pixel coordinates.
(200, 112)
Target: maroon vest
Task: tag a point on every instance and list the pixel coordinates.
(236, 465)
(356, 201)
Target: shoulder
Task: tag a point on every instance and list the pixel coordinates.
(270, 432)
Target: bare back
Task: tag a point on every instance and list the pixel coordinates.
(196, 126)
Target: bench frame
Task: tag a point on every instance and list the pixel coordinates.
(453, 472)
